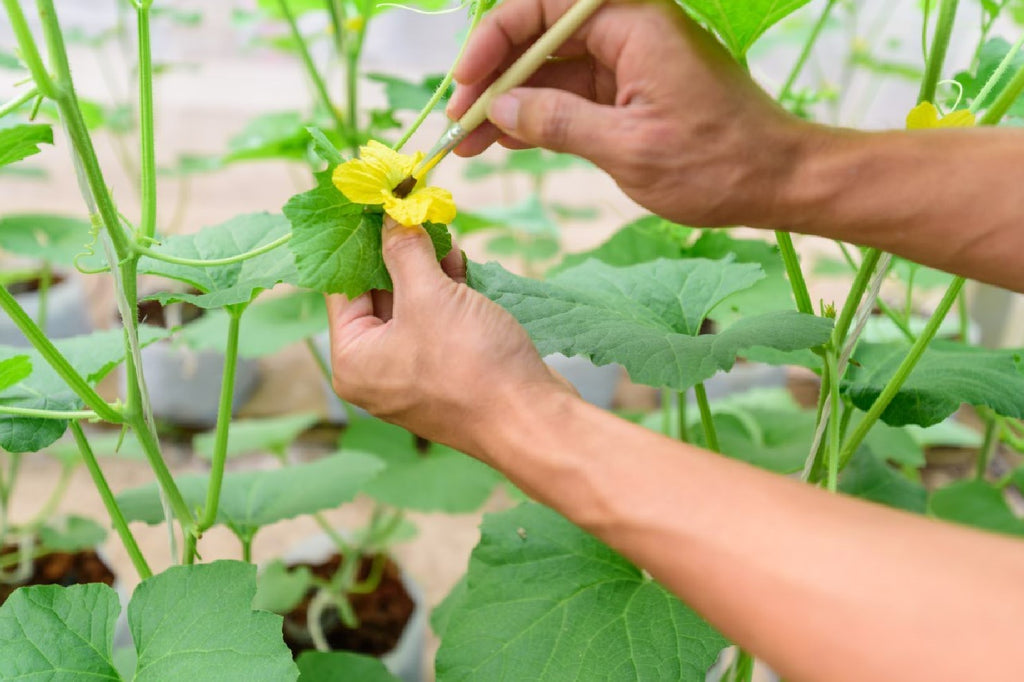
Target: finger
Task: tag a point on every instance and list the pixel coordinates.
(478, 140)
(454, 264)
(557, 120)
(341, 311)
(513, 144)
(410, 259)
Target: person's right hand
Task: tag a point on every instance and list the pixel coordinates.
(648, 96)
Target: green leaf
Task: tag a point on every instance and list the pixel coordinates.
(646, 317)
(276, 135)
(740, 24)
(14, 370)
(546, 601)
(641, 241)
(534, 162)
(335, 666)
(216, 636)
(252, 499)
(870, 478)
(92, 355)
(991, 55)
(232, 284)
(440, 479)
(71, 534)
(20, 141)
(246, 436)
(528, 216)
(948, 375)
(337, 245)
(189, 622)
(59, 633)
(323, 147)
(9, 61)
(51, 238)
(267, 327)
(406, 95)
(975, 503)
(891, 443)
(280, 588)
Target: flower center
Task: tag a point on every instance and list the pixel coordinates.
(403, 188)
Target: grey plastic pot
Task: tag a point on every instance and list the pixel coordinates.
(405, 661)
(596, 384)
(184, 384)
(67, 312)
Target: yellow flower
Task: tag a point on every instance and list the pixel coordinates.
(925, 115)
(371, 179)
(355, 24)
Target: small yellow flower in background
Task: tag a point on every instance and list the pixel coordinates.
(355, 24)
(371, 179)
(925, 115)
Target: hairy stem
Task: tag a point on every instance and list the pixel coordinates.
(212, 262)
(311, 70)
(805, 53)
(19, 101)
(795, 274)
(29, 50)
(146, 127)
(706, 420)
(937, 53)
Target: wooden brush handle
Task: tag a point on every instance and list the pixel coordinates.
(530, 61)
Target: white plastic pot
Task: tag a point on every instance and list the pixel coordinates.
(67, 312)
(595, 384)
(405, 661)
(184, 384)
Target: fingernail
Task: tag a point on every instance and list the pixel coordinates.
(504, 112)
(389, 223)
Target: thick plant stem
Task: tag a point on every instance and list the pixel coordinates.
(684, 431)
(937, 53)
(110, 502)
(706, 420)
(220, 443)
(902, 372)
(53, 357)
(212, 262)
(805, 53)
(988, 446)
(19, 101)
(29, 51)
(146, 128)
(47, 414)
(834, 435)
(796, 275)
(352, 91)
(478, 14)
(311, 70)
(1005, 100)
(857, 289)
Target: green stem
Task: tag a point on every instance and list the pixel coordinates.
(903, 371)
(834, 437)
(29, 51)
(796, 275)
(706, 420)
(220, 443)
(684, 430)
(478, 13)
(45, 281)
(337, 24)
(57, 361)
(19, 101)
(857, 289)
(246, 548)
(992, 429)
(886, 309)
(110, 502)
(352, 91)
(372, 581)
(996, 76)
(1005, 100)
(146, 127)
(339, 542)
(311, 70)
(213, 262)
(805, 53)
(937, 53)
(47, 414)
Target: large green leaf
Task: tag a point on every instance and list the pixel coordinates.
(232, 284)
(51, 238)
(275, 135)
(643, 240)
(439, 479)
(93, 356)
(71, 534)
(978, 504)
(405, 95)
(14, 370)
(246, 436)
(23, 140)
(337, 245)
(546, 601)
(528, 216)
(187, 623)
(870, 478)
(252, 499)
(740, 24)
(646, 317)
(948, 375)
(279, 588)
(267, 326)
(337, 666)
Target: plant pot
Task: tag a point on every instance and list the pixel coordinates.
(405, 658)
(67, 311)
(595, 384)
(743, 377)
(184, 384)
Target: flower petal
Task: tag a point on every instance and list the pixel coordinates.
(958, 119)
(924, 115)
(429, 204)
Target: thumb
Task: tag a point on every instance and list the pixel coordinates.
(554, 119)
(409, 255)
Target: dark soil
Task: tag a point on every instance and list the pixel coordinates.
(152, 312)
(382, 614)
(29, 285)
(63, 569)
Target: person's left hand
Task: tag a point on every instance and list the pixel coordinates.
(435, 357)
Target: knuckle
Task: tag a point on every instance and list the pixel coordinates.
(407, 240)
(555, 123)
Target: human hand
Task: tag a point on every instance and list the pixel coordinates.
(435, 356)
(649, 97)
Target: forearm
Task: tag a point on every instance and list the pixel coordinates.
(822, 587)
(945, 198)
